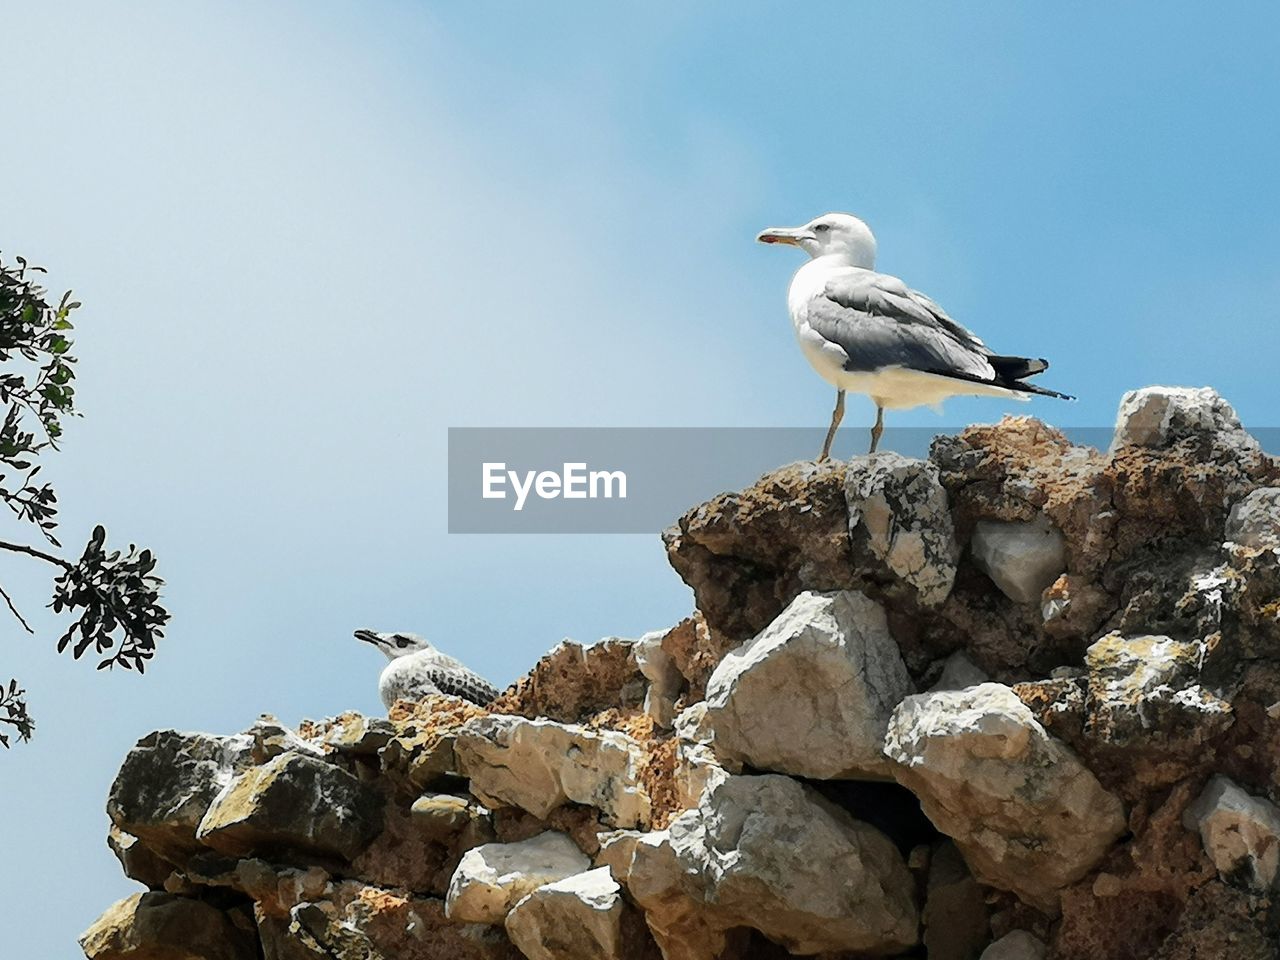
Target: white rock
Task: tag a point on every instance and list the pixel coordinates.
(1018, 945)
(492, 878)
(1237, 830)
(764, 852)
(664, 676)
(1255, 520)
(811, 695)
(539, 765)
(1026, 814)
(958, 672)
(1160, 416)
(1022, 559)
(900, 507)
(577, 918)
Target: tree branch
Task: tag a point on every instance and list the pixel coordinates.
(14, 610)
(33, 552)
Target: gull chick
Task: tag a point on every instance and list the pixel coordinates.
(870, 333)
(417, 669)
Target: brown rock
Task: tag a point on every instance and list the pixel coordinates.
(160, 926)
(572, 682)
(293, 803)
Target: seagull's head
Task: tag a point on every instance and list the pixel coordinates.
(394, 644)
(839, 235)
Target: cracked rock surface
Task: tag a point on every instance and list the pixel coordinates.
(1092, 774)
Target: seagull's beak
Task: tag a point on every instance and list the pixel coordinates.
(788, 235)
(368, 636)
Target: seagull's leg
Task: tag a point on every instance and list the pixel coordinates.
(836, 416)
(878, 429)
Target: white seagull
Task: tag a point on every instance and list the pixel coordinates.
(418, 669)
(870, 333)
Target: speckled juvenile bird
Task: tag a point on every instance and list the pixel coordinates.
(417, 669)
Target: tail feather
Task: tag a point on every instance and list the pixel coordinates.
(1017, 368)
(1010, 373)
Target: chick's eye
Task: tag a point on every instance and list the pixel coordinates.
(401, 642)
(822, 228)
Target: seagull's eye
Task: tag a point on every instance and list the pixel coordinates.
(822, 228)
(402, 641)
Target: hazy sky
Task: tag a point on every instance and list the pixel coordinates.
(309, 237)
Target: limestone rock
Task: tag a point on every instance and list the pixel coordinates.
(572, 682)
(293, 803)
(355, 735)
(271, 738)
(812, 694)
(1017, 945)
(362, 922)
(442, 815)
(492, 878)
(898, 508)
(746, 555)
(167, 782)
(577, 918)
(161, 926)
(1026, 814)
(1255, 521)
(722, 866)
(1241, 833)
(959, 671)
(1143, 688)
(138, 862)
(539, 765)
(425, 733)
(663, 673)
(1022, 558)
(1161, 416)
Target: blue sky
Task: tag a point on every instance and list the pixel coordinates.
(309, 237)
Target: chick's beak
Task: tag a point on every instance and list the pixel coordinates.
(368, 636)
(789, 235)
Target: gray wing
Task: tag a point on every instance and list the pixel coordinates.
(464, 683)
(878, 321)
(426, 679)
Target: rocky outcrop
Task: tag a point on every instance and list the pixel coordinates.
(493, 878)
(1026, 814)
(827, 663)
(721, 866)
(1018, 699)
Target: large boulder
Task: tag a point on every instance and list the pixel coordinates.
(293, 803)
(539, 765)
(492, 878)
(161, 926)
(167, 782)
(577, 918)
(762, 852)
(898, 512)
(812, 694)
(1026, 814)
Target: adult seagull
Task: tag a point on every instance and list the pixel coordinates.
(870, 333)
